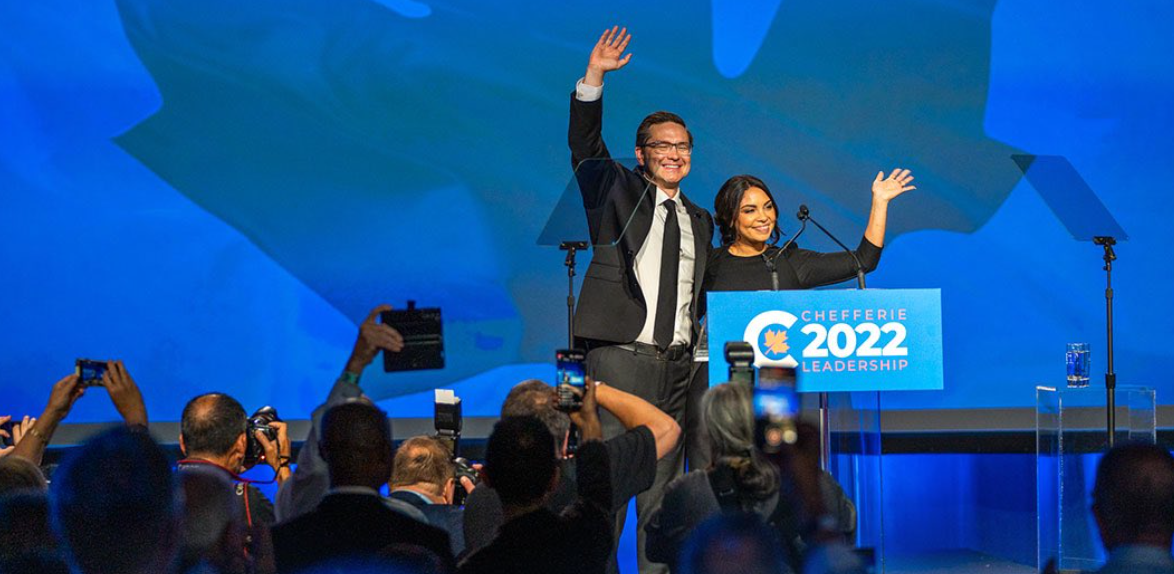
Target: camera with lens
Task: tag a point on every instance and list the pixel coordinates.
(740, 358)
(447, 420)
(259, 421)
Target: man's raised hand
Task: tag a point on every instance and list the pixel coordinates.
(125, 394)
(608, 55)
(373, 337)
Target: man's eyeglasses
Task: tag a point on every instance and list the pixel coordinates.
(662, 148)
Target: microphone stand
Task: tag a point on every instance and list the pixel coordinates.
(859, 267)
(571, 247)
(1110, 375)
(824, 403)
(770, 261)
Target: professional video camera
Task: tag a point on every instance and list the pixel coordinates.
(259, 421)
(447, 420)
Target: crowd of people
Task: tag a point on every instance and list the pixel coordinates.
(119, 504)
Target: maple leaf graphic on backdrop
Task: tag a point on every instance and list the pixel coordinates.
(776, 342)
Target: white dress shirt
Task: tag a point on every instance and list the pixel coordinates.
(648, 271)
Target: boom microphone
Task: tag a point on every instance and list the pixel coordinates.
(803, 214)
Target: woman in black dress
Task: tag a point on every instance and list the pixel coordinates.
(750, 259)
(746, 215)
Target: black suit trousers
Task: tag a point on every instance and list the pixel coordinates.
(663, 383)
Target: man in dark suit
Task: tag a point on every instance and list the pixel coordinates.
(637, 312)
(353, 521)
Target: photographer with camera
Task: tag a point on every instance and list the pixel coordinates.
(424, 476)
(651, 435)
(217, 434)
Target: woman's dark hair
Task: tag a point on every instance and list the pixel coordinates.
(729, 201)
(728, 414)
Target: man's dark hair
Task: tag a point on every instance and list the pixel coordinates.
(114, 503)
(356, 443)
(1134, 492)
(728, 203)
(212, 423)
(534, 398)
(645, 130)
(519, 460)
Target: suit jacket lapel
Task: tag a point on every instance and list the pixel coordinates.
(701, 242)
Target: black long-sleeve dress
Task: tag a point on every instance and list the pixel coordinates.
(797, 268)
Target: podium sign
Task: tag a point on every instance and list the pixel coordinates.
(838, 340)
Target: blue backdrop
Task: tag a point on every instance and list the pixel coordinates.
(217, 192)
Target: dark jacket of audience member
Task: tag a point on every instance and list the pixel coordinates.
(520, 463)
(25, 534)
(114, 505)
(353, 519)
(214, 529)
(309, 484)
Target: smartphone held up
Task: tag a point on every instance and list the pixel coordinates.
(570, 378)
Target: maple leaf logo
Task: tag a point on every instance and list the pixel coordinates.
(776, 342)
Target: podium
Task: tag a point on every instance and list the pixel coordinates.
(848, 345)
(1070, 437)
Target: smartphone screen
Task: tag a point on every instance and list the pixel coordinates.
(774, 395)
(570, 374)
(90, 372)
(570, 368)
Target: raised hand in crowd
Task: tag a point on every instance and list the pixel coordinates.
(373, 337)
(607, 55)
(276, 453)
(125, 394)
(19, 428)
(35, 433)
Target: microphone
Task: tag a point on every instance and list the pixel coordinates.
(770, 261)
(804, 214)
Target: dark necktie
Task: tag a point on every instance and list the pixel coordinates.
(666, 299)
